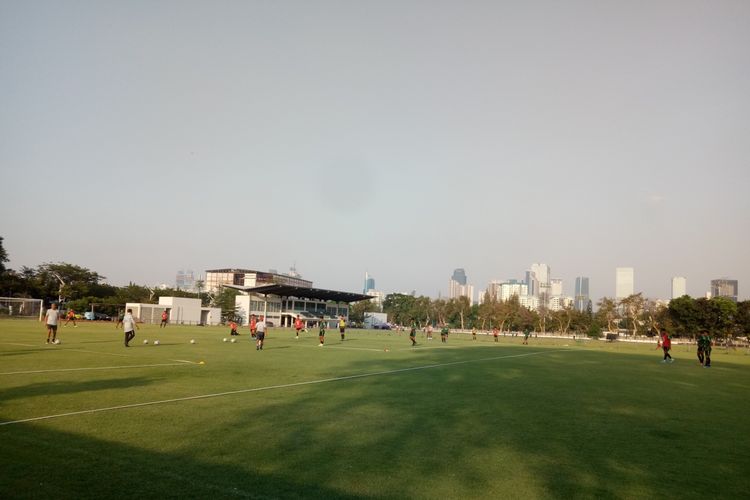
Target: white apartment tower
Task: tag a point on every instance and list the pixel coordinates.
(624, 282)
(679, 287)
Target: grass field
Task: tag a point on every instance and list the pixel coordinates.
(554, 419)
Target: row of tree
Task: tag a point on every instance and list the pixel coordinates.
(634, 315)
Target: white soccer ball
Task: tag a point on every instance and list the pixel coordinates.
(145, 341)
(225, 339)
(57, 341)
(156, 342)
(234, 341)
(192, 341)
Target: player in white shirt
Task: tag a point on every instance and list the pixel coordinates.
(129, 326)
(51, 320)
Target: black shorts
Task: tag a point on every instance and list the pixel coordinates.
(52, 327)
(341, 329)
(260, 335)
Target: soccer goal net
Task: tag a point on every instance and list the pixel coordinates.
(22, 308)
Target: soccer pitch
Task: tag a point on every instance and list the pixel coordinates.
(367, 417)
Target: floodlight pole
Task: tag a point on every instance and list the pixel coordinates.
(62, 284)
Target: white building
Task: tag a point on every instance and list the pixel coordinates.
(377, 298)
(456, 289)
(511, 288)
(555, 287)
(181, 311)
(216, 278)
(624, 282)
(679, 287)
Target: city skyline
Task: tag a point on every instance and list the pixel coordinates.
(133, 150)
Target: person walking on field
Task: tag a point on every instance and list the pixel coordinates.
(164, 319)
(704, 349)
(51, 319)
(297, 326)
(666, 345)
(71, 316)
(321, 332)
(260, 333)
(526, 334)
(429, 332)
(342, 326)
(444, 334)
(413, 334)
(494, 333)
(129, 327)
(474, 333)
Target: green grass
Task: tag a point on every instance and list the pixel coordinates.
(554, 419)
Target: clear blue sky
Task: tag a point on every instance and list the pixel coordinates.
(405, 138)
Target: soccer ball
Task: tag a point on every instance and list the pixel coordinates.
(192, 341)
(225, 339)
(156, 342)
(145, 341)
(57, 341)
(234, 341)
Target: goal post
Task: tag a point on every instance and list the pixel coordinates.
(13, 307)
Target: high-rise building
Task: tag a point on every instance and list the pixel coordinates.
(725, 287)
(457, 286)
(624, 282)
(185, 280)
(679, 287)
(582, 300)
(555, 287)
(459, 276)
(538, 280)
(369, 283)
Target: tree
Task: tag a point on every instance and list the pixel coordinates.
(225, 299)
(607, 313)
(358, 309)
(685, 315)
(742, 318)
(632, 306)
(3, 257)
(63, 280)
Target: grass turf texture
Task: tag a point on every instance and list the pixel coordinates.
(554, 419)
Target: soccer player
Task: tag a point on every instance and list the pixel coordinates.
(260, 333)
(253, 325)
(666, 345)
(474, 333)
(129, 326)
(50, 320)
(321, 332)
(71, 316)
(701, 356)
(706, 348)
(233, 327)
(495, 333)
(297, 325)
(342, 326)
(444, 333)
(526, 334)
(165, 318)
(413, 334)
(429, 331)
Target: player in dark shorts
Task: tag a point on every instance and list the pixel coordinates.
(298, 325)
(342, 326)
(666, 345)
(474, 333)
(321, 332)
(164, 319)
(413, 334)
(526, 335)
(444, 334)
(494, 333)
(260, 333)
(233, 327)
(706, 341)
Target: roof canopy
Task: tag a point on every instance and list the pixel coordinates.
(303, 292)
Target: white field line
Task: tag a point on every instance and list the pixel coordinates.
(95, 352)
(52, 347)
(184, 361)
(91, 368)
(272, 387)
(329, 347)
(24, 345)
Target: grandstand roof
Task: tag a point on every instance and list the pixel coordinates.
(302, 292)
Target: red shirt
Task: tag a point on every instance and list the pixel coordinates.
(233, 325)
(298, 324)
(71, 314)
(252, 324)
(164, 316)
(666, 341)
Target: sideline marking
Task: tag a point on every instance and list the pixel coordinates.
(91, 368)
(272, 387)
(184, 361)
(24, 345)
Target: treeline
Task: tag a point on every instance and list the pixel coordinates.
(634, 315)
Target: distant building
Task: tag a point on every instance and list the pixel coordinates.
(555, 287)
(216, 278)
(185, 280)
(369, 283)
(457, 286)
(624, 282)
(377, 298)
(725, 287)
(679, 287)
(459, 276)
(581, 298)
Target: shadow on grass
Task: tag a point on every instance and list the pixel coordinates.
(571, 424)
(66, 387)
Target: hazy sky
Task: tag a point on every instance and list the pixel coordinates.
(403, 138)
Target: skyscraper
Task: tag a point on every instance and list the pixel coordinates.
(624, 282)
(538, 280)
(369, 283)
(582, 294)
(725, 287)
(679, 287)
(459, 276)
